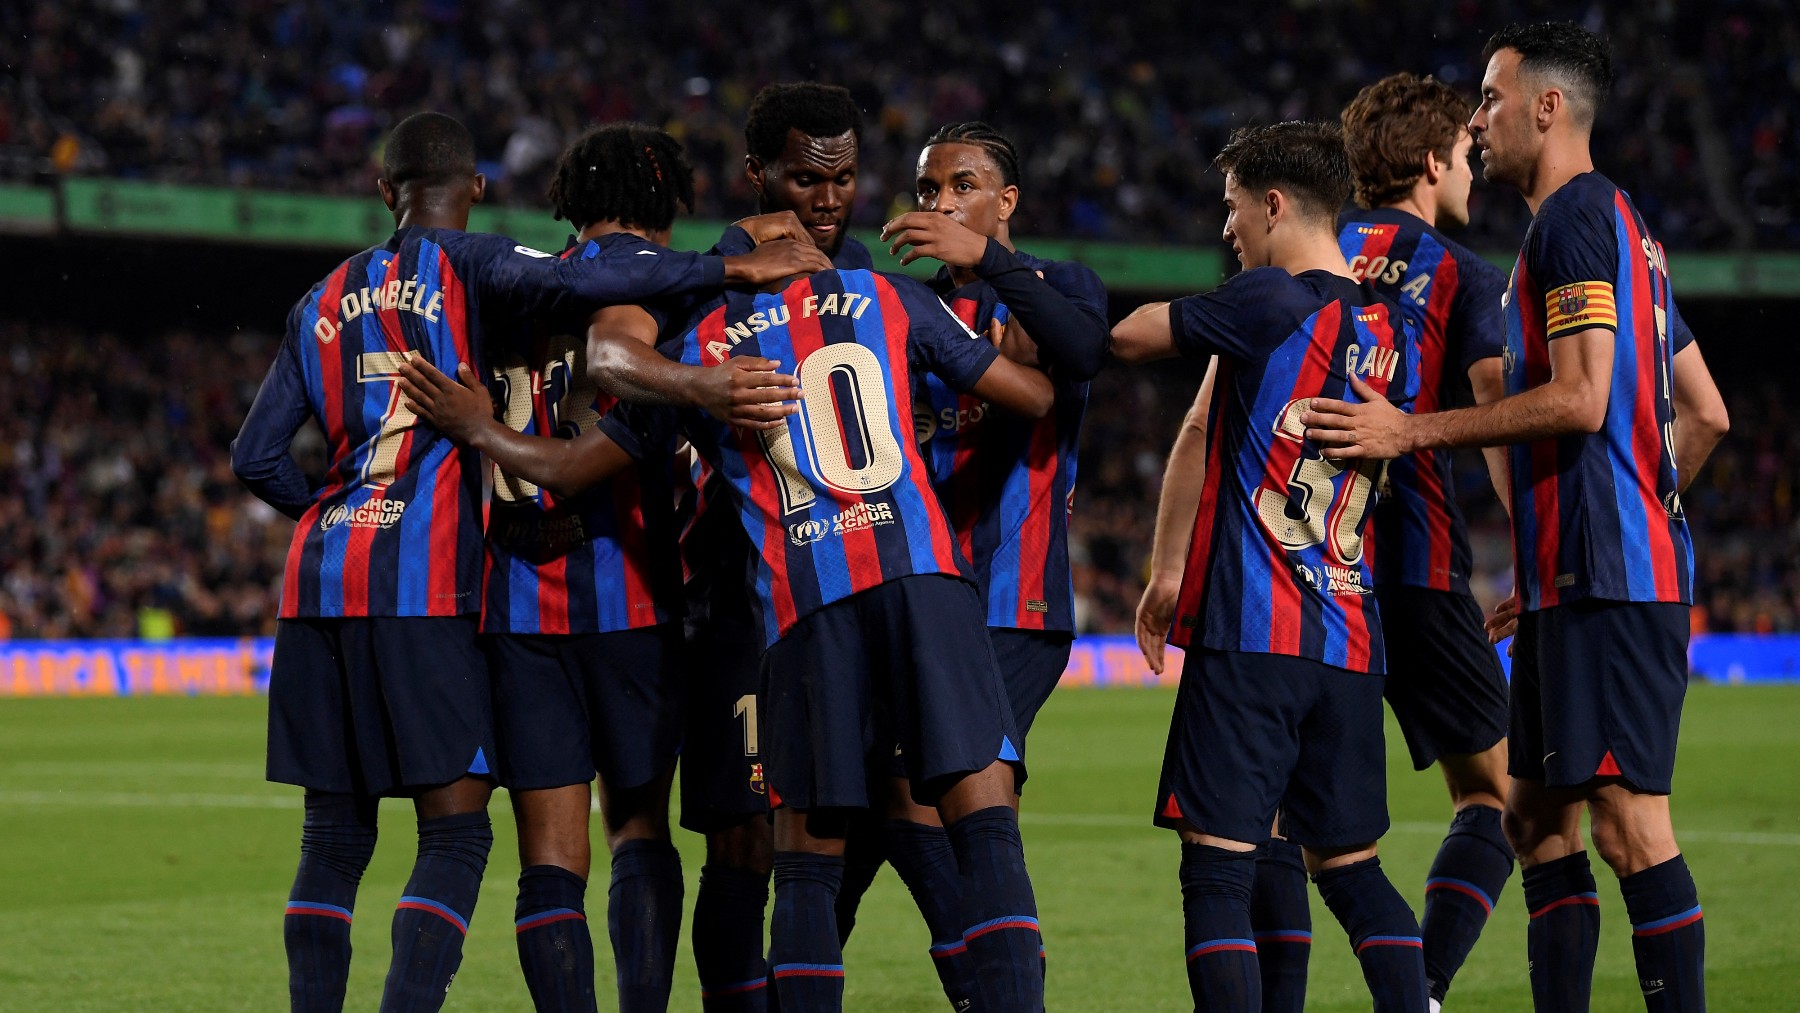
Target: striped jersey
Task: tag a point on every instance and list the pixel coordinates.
(395, 530)
(838, 500)
(1451, 298)
(1276, 564)
(1008, 483)
(600, 561)
(1597, 515)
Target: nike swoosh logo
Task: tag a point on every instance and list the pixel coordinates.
(646, 253)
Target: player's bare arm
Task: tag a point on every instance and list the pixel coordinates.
(1573, 400)
(774, 260)
(1145, 335)
(1183, 479)
(1700, 417)
(747, 391)
(463, 410)
(1018, 389)
(934, 235)
(1487, 380)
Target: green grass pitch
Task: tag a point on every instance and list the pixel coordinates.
(144, 862)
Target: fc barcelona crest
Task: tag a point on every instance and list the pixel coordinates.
(1571, 299)
(756, 779)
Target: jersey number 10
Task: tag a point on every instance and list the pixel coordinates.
(849, 437)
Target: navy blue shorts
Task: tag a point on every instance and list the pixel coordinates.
(568, 706)
(1597, 688)
(378, 706)
(908, 661)
(1255, 731)
(722, 781)
(1444, 679)
(1031, 664)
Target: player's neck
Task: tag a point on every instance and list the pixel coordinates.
(1420, 204)
(606, 228)
(1559, 161)
(430, 209)
(1311, 250)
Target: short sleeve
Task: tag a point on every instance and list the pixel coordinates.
(1679, 335)
(646, 432)
(1572, 254)
(1479, 319)
(1245, 319)
(941, 343)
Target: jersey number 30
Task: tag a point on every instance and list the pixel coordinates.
(850, 443)
(1307, 513)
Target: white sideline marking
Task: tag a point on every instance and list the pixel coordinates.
(291, 800)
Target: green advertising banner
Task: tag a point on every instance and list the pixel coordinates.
(29, 210)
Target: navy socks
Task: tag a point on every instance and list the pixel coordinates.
(1564, 933)
(1222, 968)
(1000, 925)
(805, 957)
(1382, 930)
(1668, 937)
(1461, 890)
(1281, 917)
(433, 915)
(336, 842)
(926, 862)
(643, 918)
(556, 950)
(728, 939)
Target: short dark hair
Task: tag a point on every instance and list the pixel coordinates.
(1579, 61)
(992, 141)
(1305, 160)
(430, 149)
(625, 172)
(814, 109)
(1391, 125)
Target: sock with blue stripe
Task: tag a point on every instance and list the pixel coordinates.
(1281, 920)
(1461, 890)
(556, 950)
(643, 917)
(1668, 936)
(336, 842)
(728, 939)
(805, 958)
(926, 862)
(1222, 966)
(1564, 932)
(433, 915)
(1382, 931)
(999, 912)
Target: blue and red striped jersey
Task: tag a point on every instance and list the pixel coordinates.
(1276, 565)
(1008, 483)
(1451, 297)
(395, 530)
(1597, 515)
(839, 500)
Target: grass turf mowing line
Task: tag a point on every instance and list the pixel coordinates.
(145, 865)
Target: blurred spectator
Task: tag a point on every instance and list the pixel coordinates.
(1117, 108)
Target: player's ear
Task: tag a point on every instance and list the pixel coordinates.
(1433, 169)
(478, 188)
(1550, 106)
(1275, 205)
(386, 189)
(1009, 199)
(753, 171)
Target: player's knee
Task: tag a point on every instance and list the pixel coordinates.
(747, 845)
(466, 795)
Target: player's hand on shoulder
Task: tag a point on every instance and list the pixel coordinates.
(772, 226)
(775, 260)
(1372, 429)
(749, 391)
(1013, 342)
(1155, 612)
(933, 235)
(457, 408)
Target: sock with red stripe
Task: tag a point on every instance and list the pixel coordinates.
(336, 842)
(1281, 920)
(926, 862)
(1382, 931)
(433, 915)
(556, 950)
(863, 857)
(805, 958)
(1564, 932)
(643, 917)
(1668, 936)
(728, 939)
(1461, 890)
(999, 912)
(1222, 967)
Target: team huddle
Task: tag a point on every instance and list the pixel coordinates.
(802, 526)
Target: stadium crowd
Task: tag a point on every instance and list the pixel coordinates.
(119, 515)
(298, 94)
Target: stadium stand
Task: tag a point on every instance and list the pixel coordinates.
(1115, 129)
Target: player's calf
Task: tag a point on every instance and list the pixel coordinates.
(1382, 929)
(806, 960)
(1461, 889)
(728, 917)
(432, 918)
(999, 911)
(1281, 924)
(1633, 834)
(1217, 876)
(336, 843)
(643, 907)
